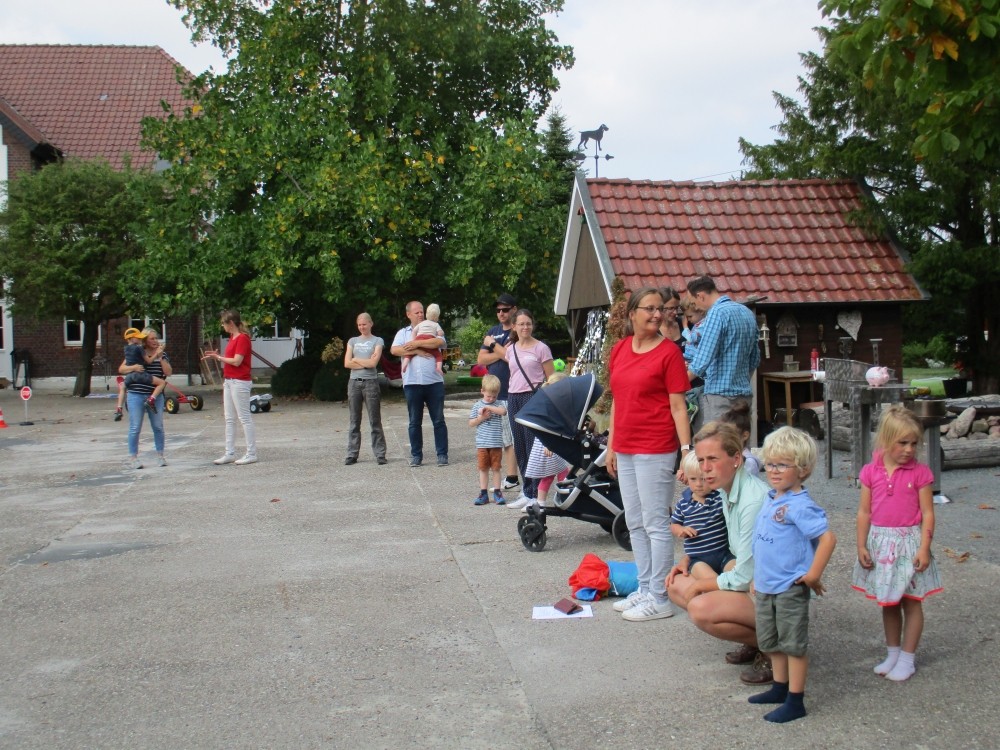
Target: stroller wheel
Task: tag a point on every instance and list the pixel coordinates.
(606, 525)
(619, 530)
(532, 533)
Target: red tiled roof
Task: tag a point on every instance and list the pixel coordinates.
(791, 240)
(89, 101)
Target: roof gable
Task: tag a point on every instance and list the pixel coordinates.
(88, 101)
(789, 240)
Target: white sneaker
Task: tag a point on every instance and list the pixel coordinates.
(161, 461)
(134, 463)
(649, 610)
(226, 459)
(518, 504)
(632, 600)
(247, 459)
(509, 485)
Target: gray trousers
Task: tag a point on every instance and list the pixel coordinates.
(711, 407)
(367, 392)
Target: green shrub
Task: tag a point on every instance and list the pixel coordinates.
(330, 382)
(295, 376)
(470, 337)
(939, 348)
(915, 354)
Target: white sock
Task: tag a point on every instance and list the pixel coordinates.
(904, 668)
(890, 661)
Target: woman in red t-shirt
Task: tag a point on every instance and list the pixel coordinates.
(648, 423)
(236, 388)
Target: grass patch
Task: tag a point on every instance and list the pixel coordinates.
(915, 373)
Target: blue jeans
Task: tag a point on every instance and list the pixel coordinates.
(646, 482)
(136, 412)
(417, 396)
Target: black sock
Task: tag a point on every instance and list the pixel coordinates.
(775, 694)
(793, 708)
(512, 479)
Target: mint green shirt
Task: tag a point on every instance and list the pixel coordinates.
(740, 507)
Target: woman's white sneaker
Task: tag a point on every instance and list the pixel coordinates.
(632, 600)
(247, 459)
(229, 458)
(519, 504)
(649, 610)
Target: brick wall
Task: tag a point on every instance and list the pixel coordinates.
(18, 156)
(50, 357)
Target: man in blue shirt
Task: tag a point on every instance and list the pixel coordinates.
(422, 385)
(727, 351)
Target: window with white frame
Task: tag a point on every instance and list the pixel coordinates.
(73, 332)
(157, 324)
(279, 330)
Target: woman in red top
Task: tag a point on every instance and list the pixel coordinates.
(236, 389)
(649, 423)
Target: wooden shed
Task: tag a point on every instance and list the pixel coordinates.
(794, 249)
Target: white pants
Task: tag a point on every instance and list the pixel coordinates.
(646, 482)
(236, 405)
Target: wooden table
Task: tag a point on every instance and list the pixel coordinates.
(798, 376)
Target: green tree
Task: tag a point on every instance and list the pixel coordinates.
(354, 156)
(66, 231)
(904, 98)
(546, 227)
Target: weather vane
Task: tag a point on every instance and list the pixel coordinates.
(585, 137)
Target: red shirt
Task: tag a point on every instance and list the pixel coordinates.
(238, 344)
(641, 385)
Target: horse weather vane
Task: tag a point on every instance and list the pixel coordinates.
(585, 137)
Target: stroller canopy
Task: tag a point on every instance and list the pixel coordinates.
(555, 414)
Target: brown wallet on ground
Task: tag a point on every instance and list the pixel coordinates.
(567, 606)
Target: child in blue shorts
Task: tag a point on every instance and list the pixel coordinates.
(792, 544)
(698, 520)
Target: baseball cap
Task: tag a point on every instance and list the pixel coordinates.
(506, 300)
(134, 333)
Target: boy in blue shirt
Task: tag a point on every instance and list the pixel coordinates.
(135, 354)
(698, 520)
(487, 417)
(792, 544)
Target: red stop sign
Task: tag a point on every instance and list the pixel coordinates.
(25, 393)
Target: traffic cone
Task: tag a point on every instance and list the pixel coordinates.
(3, 425)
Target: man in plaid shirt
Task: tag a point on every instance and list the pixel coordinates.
(726, 353)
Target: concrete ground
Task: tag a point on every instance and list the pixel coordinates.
(301, 603)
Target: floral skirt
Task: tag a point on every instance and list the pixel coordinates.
(893, 577)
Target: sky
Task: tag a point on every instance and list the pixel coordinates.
(676, 83)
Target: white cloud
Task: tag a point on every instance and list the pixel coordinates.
(676, 83)
(679, 83)
(139, 22)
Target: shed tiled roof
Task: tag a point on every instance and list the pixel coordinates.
(790, 240)
(88, 101)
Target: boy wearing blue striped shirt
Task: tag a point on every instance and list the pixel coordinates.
(487, 417)
(699, 521)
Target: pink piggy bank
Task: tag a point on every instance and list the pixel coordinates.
(877, 376)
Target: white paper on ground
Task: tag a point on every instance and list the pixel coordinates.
(548, 612)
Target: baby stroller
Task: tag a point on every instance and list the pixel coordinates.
(556, 415)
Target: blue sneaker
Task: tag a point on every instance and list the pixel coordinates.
(483, 499)
(498, 497)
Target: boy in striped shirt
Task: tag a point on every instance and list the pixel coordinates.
(487, 417)
(698, 520)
